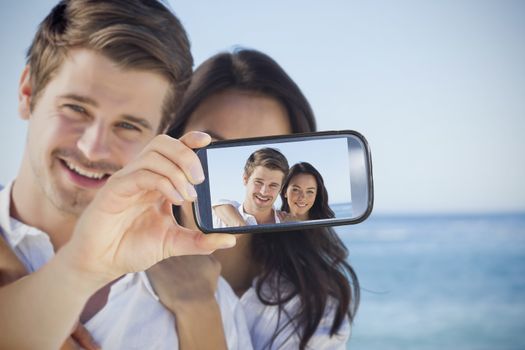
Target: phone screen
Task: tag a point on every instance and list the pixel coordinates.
(278, 183)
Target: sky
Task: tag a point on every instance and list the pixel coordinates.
(437, 87)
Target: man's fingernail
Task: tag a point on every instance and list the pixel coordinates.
(191, 191)
(177, 196)
(196, 174)
(203, 135)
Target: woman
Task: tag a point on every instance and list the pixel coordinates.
(296, 287)
(304, 195)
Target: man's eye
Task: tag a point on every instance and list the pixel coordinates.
(76, 108)
(127, 126)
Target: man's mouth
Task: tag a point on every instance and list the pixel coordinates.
(262, 199)
(85, 173)
(84, 177)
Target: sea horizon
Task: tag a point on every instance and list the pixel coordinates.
(452, 214)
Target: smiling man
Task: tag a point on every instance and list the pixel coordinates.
(90, 208)
(263, 177)
(89, 121)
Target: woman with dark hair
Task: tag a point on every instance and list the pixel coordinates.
(297, 288)
(304, 195)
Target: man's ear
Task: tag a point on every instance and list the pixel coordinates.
(244, 179)
(24, 94)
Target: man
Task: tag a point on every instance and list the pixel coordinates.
(96, 183)
(264, 173)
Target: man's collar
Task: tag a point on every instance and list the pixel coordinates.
(244, 214)
(14, 231)
(5, 203)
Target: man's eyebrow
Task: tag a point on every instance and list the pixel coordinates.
(137, 120)
(80, 98)
(88, 100)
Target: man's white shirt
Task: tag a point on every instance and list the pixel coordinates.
(249, 219)
(133, 317)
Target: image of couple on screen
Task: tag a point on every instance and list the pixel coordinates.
(267, 176)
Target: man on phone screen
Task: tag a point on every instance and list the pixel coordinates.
(264, 174)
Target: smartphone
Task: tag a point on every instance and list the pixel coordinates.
(283, 183)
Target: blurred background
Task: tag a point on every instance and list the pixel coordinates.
(438, 89)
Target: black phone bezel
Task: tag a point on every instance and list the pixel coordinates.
(203, 190)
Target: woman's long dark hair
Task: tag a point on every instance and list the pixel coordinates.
(320, 209)
(310, 264)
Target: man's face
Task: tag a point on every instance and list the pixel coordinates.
(262, 189)
(90, 120)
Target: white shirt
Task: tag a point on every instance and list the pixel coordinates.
(263, 320)
(133, 317)
(248, 218)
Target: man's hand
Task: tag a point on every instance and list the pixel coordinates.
(184, 279)
(286, 217)
(228, 214)
(129, 225)
(80, 339)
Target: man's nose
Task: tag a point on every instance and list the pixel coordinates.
(264, 189)
(94, 142)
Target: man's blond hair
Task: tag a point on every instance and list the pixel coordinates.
(135, 34)
(267, 157)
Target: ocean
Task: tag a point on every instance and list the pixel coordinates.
(439, 282)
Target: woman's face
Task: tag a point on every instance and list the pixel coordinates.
(233, 114)
(300, 195)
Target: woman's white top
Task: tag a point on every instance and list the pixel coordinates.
(263, 321)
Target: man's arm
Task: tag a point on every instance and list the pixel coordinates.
(186, 286)
(40, 310)
(11, 269)
(127, 227)
(228, 214)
